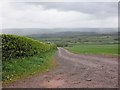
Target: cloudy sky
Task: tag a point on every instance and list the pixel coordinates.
(59, 15)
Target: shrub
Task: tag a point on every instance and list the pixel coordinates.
(14, 46)
(61, 44)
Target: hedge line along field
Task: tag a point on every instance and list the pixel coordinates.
(23, 56)
(14, 46)
(104, 49)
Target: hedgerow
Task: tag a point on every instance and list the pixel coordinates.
(14, 46)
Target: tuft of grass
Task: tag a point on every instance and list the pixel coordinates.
(95, 49)
(21, 68)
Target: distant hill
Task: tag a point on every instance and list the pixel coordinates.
(53, 31)
(70, 34)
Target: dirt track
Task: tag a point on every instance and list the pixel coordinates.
(75, 71)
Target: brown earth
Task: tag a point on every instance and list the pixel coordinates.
(75, 71)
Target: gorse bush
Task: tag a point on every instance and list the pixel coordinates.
(14, 46)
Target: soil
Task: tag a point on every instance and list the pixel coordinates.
(75, 71)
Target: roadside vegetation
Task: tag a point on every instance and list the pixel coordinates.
(14, 46)
(22, 57)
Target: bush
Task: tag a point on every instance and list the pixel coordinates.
(14, 46)
(61, 44)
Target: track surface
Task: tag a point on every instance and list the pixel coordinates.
(75, 71)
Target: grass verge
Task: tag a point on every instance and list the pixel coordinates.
(25, 67)
(95, 49)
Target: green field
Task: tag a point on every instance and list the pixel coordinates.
(94, 49)
(65, 39)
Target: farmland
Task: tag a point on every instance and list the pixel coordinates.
(72, 38)
(84, 42)
(95, 49)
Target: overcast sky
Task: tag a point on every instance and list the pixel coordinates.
(60, 15)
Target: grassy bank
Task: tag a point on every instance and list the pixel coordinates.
(14, 46)
(21, 68)
(95, 49)
(22, 57)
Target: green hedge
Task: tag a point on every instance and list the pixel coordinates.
(14, 46)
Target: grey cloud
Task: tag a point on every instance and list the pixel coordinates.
(40, 15)
(101, 9)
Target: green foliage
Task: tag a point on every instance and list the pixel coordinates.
(61, 44)
(21, 68)
(14, 46)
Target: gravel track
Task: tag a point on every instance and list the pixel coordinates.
(75, 71)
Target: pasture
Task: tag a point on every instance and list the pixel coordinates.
(105, 49)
